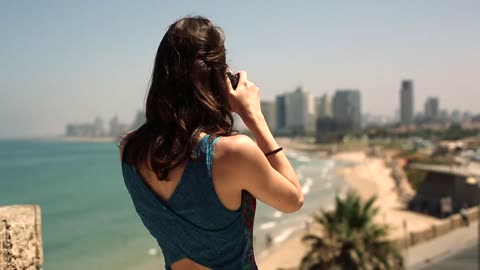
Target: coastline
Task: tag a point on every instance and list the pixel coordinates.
(288, 253)
(372, 177)
(305, 146)
(87, 139)
(61, 138)
(358, 171)
(367, 176)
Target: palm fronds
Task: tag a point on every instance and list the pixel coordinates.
(351, 239)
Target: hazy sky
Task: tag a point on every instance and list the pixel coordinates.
(69, 61)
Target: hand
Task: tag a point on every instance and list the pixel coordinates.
(245, 100)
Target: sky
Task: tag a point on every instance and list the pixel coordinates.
(70, 61)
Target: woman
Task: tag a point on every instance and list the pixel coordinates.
(192, 180)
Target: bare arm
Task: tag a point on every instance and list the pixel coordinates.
(272, 179)
(279, 161)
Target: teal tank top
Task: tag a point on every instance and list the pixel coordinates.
(193, 223)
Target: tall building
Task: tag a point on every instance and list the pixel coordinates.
(443, 115)
(281, 113)
(467, 116)
(80, 130)
(456, 116)
(432, 112)
(300, 112)
(406, 103)
(347, 110)
(115, 129)
(326, 130)
(270, 113)
(98, 130)
(323, 106)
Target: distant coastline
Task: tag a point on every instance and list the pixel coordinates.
(62, 138)
(109, 139)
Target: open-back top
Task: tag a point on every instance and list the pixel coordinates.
(193, 223)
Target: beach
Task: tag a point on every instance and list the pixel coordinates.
(369, 177)
(372, 177)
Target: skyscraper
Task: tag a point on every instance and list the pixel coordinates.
(115, 127)
(98, 127)
(281, 113)
(456, 116)
(347, 110)
(300, 112)
(467, 116)
(431, 109)
(443, 115)
(406, 103)
(323, 106)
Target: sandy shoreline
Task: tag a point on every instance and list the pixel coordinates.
(370, 176)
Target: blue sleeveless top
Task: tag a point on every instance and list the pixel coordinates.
(193, 223)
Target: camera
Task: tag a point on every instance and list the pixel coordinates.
(234, 78)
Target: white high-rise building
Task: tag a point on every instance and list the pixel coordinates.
(323, 106)
(300, 112)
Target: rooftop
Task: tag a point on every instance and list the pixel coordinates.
(456, 170)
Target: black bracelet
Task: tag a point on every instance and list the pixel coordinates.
(274, 151)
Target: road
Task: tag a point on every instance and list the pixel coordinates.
(458, 246)
(465, 259)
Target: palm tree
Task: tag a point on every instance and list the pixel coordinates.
(351, 240)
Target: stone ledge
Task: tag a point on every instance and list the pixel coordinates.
(20, 237)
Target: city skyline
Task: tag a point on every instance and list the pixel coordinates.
(70, 62)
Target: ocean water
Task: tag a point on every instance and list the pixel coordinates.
(88, 219)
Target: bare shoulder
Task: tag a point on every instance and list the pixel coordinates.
(235, 146)
(237, 155)
(234, 158)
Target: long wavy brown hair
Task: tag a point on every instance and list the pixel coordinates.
(187, 96)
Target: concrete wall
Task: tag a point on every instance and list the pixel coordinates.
(443, 227)
(20, 238)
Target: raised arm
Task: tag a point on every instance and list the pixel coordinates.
(270, 179)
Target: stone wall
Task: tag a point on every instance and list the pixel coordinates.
(443, 227)
(20, 238)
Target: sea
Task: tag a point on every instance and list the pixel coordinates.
(88, 219)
